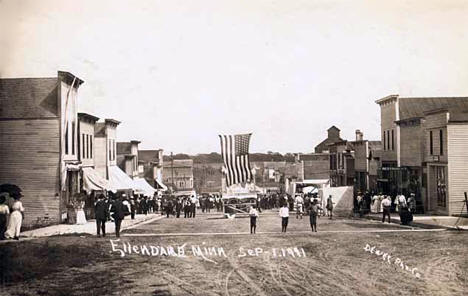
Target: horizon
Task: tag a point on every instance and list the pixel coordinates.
(177, 74)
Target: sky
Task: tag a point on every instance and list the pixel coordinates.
(178, 73)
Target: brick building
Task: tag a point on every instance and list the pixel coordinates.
(403, 157)
(39, 150)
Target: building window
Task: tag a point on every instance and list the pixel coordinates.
(441, 188)
(441, 142)
(87, 146)
(110, 149)
(66, 140)
(393, 143)
(115, 148)
(91, 145)
(82, 145)
(384, 140)
(431, 144)
(73, 138)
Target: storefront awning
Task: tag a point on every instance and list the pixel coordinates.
(92, 180)
(143, 187)
(119, 180)
(160, 185)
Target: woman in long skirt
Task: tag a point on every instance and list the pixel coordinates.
(4, 212)
(16, 218)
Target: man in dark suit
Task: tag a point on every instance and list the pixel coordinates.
(101, 214)
(118, 213)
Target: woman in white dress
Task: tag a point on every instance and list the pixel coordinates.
(16, 218)
(80, 214)
(374, 207)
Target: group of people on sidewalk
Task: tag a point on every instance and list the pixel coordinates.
(11, 215)
(314, 209)
(385, 204)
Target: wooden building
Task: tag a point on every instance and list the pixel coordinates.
(127, 157)
(178, 174)
(365, 163)
(333, 135)
(341, 164)
(152, 162)
(446, 158)
(403, 160)
(39, 150)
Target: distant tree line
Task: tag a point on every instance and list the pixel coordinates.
(215, 157)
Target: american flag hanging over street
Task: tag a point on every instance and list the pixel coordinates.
(235, 152)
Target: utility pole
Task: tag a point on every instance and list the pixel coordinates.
(172, 171)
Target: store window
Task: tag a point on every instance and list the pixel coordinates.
(441, 186)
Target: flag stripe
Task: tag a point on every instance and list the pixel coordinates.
(235, 153)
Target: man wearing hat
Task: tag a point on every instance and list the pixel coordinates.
(101, 214)
(118, 213)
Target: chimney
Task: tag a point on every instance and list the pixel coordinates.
(359, 135)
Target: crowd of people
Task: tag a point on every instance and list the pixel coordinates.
(302, 204)
(369, 202)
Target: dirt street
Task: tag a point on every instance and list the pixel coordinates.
(213, 256)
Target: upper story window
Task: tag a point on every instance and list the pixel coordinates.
(393, 143)
(66, 139)
(73, 138)
(384, 140)
(91, 145)
(441, 142)
(110, 149)
(431, 143)
(83, 146)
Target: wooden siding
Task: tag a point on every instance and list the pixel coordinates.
(30, 158)
(360, 155)
(412, 145)
(100, 154)
(30, 98)
(86, 129)
(457, 166)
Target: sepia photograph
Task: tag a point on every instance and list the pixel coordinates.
(233, 147)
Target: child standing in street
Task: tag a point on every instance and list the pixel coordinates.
(313, 212)
(253, 213)
(284, 214)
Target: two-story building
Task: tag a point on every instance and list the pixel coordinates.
(178, 173)
(365, 163)
(151, 167)
(341, 164)
(333, 136)
(127, 157)
(105, 138)
(403, 168)
(92, 182)
(446, 158)
(39, 150)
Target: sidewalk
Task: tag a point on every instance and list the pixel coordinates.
(89, 227)
(427, 221)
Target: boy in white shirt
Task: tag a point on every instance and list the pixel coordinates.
(253, 213)
(284, 214)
